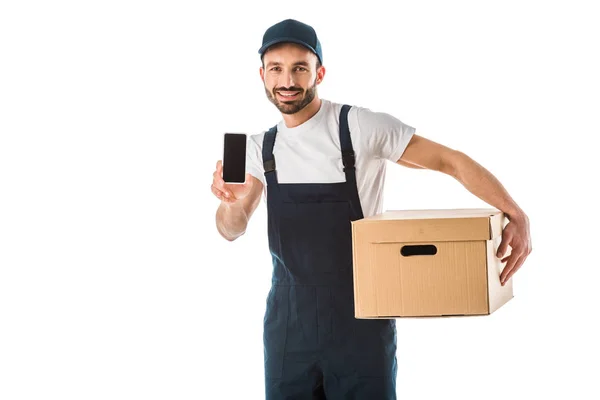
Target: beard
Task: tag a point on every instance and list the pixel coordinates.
(293, 106)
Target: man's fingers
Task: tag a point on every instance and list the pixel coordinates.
(512, 262)
(221, 195)
(220, 184)
(504, 259)
(512, 259)
(216, 192)
(515, 268)
(219, 170)
(503, 246)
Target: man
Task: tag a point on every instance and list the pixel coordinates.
(320, 168)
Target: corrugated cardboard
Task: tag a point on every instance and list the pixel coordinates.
(414, 263)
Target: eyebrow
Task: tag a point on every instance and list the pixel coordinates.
(302, 63)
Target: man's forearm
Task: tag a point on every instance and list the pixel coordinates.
(231, 220)
(479, 181)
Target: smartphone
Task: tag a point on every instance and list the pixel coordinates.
(234, 158)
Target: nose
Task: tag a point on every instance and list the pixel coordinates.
(287, 79)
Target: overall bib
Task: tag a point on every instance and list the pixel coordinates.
(314, 347)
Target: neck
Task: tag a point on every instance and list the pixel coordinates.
(293, 120)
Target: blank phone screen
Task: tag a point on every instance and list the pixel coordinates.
(234, 158)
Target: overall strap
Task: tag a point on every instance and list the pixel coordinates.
(267, 155)
(346, 143)
(349, 160)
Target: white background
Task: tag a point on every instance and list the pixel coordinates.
(114, 283)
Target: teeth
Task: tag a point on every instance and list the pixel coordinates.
(288, 95)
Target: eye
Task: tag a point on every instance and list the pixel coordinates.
(301, 68)
(275, 69)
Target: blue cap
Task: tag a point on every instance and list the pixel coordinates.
(292, 31)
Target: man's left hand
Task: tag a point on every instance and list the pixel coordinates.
(516, 234)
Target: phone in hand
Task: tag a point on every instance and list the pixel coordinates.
(234, 158)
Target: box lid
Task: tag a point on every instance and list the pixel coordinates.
(432, 225)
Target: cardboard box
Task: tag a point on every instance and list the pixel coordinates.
(417, 263)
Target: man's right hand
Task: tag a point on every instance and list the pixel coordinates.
(238, 202)
(230, 193)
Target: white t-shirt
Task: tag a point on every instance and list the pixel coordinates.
(311, 152)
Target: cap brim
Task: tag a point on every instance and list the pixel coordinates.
(283, 40)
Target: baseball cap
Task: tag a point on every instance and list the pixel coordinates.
(290, 30)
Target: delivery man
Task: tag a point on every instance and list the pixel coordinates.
(321, 167)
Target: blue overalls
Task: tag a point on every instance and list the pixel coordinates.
(314, 347)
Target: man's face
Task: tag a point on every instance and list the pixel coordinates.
(290, 76)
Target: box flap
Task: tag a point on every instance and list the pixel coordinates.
(498, 295)
(432, 225)
(497, 223)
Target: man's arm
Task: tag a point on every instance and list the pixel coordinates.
(238, 203)
(232, 217)
(479, 181)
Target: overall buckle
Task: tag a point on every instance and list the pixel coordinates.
(348, 160)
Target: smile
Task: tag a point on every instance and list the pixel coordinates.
(288, 95)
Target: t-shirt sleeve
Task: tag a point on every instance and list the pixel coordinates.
(384, 135)
(254, 164)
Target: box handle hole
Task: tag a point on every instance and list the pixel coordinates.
(418, 250)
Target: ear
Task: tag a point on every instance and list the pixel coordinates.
(320, 74)
(262, 74)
